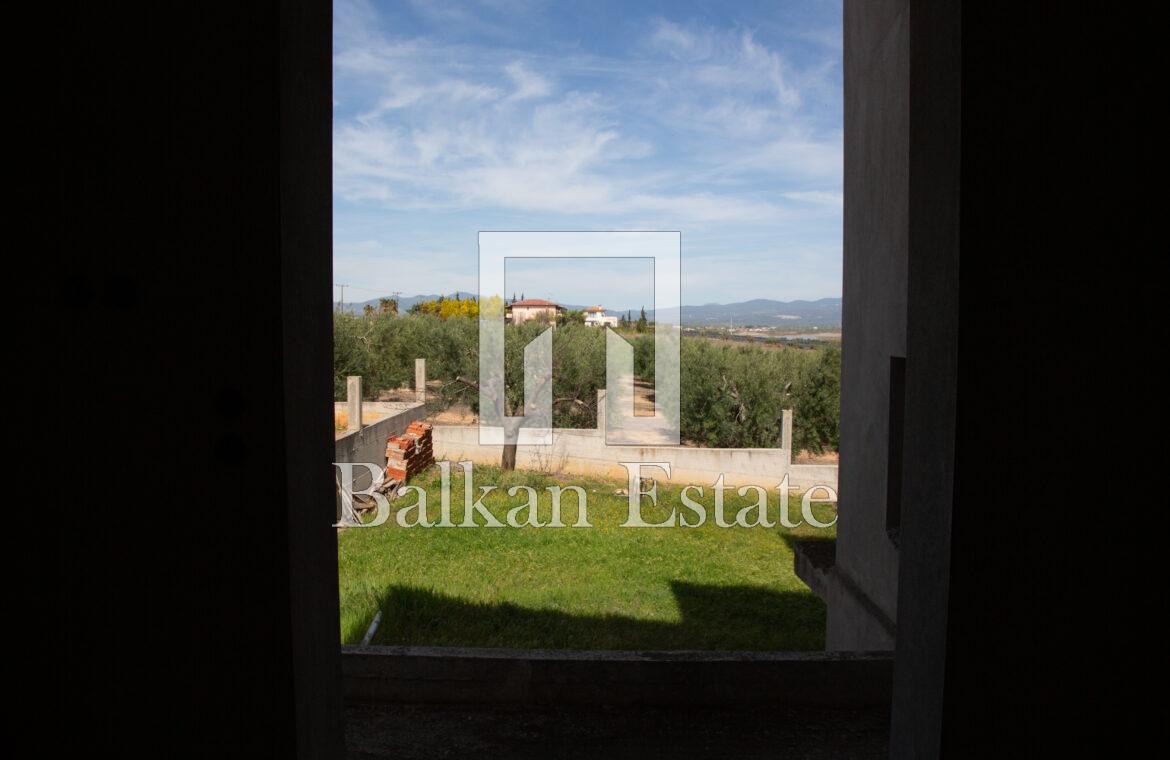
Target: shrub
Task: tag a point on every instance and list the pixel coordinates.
(817, 404)
(735, 395)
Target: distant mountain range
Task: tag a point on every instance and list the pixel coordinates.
(764, 312)
(404, 302)
(761, 312)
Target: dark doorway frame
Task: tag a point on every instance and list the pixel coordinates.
(306, 232)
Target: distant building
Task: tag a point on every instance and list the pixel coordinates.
(539, 309)
(595, 316)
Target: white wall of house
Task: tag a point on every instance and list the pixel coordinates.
(525, 313)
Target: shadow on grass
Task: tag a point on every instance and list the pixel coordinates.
(821, 550)
(711, 617)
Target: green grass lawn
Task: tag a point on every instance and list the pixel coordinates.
(604, 587)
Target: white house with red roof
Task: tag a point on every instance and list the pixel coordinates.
(596, 317)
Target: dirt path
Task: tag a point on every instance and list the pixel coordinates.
(643, 399)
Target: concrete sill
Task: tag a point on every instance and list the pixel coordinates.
(542, 676)
(813, 563)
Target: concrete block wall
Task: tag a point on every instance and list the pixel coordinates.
(369, 443)
(585, 452)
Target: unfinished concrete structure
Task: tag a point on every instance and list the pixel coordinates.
(585, 452)
(859, 580)
(369, 443)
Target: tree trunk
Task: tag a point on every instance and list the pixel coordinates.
(508, 457)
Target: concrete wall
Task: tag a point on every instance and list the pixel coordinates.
(874, 316)
(220, 643)
(535, 676)
(373, 411)
(941, 181)
(369, 443)
(584, 452)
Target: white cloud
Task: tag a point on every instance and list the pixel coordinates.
(528, 84)
(709, 130)
(820, 197)
(728, 60)
(679, 42)
(769, 63)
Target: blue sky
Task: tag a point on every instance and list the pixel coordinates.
(721, 120)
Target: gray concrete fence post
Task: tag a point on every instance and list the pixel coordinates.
(786, 433)
(420, 380)
(353, 402)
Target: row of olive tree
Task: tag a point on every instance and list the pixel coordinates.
(735, 395)
(382, 349)
(731, 396)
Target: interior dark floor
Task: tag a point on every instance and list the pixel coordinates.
(405, 731)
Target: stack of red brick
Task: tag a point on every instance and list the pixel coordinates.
(409, 453)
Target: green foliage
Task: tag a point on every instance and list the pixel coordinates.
(731, 395)
(735, 396)
(572, 316)
(643, 356)
(382, 349)
(352, 352)
(818, 403)
(578, 373)
(578, 370)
